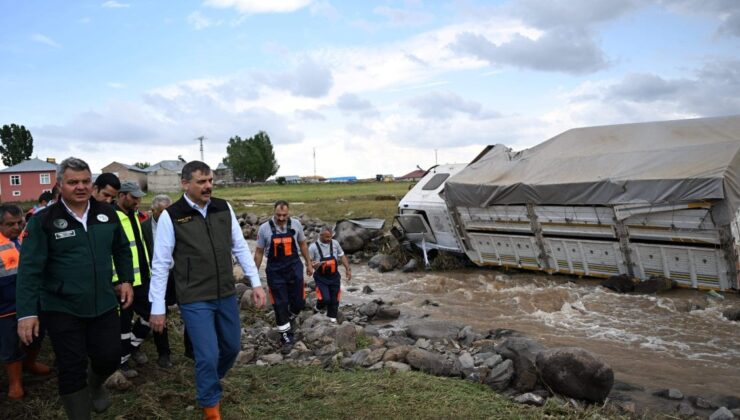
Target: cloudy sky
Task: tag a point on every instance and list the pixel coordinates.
(372, 86)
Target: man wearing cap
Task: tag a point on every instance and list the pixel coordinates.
(127, 206)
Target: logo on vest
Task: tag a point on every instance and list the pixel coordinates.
(184, 220)
(65, 234)
(60, 223)
(102, 218)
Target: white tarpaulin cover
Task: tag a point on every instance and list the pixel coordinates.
(645, 163)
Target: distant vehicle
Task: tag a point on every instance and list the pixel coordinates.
(644, 200)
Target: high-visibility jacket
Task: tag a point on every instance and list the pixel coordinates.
(129, 231)
(9, 257)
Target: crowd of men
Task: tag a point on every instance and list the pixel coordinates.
(90, 270)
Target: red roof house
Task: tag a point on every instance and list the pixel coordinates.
(27, 180)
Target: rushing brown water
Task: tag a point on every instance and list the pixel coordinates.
(651, 341)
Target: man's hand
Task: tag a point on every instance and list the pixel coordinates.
(156, 322)
(125, 293)
(28, 329)
(348, 274)
(258, 295)
(309, 270)
(316, 264)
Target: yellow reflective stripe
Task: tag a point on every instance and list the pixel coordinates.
(129, 232)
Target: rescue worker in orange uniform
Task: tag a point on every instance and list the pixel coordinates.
(325, 256)
(280, 238)
(15, 358)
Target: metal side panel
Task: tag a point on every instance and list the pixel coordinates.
(590, 221)
(496, 218)
(688, 266)
(677, 225)
(507, 250)
(590, 258)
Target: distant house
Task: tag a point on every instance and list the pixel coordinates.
(27, 180)
(291, 179)
(126, 172)
(313, 179)
(164, 176)
(413, 175)
(223, 174)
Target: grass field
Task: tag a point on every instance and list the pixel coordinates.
(328, 202)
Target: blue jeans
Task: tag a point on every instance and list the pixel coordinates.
(215, 330)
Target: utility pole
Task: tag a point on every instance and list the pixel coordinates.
(314, 163)
(435, 157)
(201, 138)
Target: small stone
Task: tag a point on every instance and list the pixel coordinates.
(245, 356)
(376, 366)
(396, 366)
(466, 360)
(530, 399)
(190, 408)
(272, 359)
(722, 413)
(493, 361)
(671, 394)
(685, 409)
(700, 402)
(367, 290)
(423, 343)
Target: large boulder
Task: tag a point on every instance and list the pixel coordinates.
(500, 376)
(383, 262)
(351, 237)
(433, 329)
(346, 337)
(575, 372)
(522, 352)
(434, 363)
(733, 314)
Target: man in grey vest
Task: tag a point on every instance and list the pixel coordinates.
(200, 233)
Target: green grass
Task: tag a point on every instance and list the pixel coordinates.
(328, 202)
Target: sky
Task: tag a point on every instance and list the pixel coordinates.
(372, 87)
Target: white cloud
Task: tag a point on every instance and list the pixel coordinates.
(43, 39)
(116, 85)
(199, 21)
(404, 17)
(260, 6)
(325, 9)
(112, 4)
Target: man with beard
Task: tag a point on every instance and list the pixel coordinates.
(200, 233)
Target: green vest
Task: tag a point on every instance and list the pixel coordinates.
(203, 268)
(128, 229)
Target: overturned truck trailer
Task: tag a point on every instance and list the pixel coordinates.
(647, 199)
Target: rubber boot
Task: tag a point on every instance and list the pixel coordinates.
(98, 394)
(77, 404)
(15, 380)
(212, 413)
(31, 365)
(287, 341)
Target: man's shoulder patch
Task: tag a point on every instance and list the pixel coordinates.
(184, 220)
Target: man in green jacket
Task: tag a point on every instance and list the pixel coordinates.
(66, 264)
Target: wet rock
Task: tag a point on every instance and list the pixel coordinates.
(346, 337)
(433, 329)
(576, 373)
(376, 366)
(374, 262)
(327, 350)
(395, 333)
(319, 332)
(722, 413)
(386, 313)
(522, 352)
(627, 407)
(397, 354)
(671, 394)
(372, 330)
(374, 357)
(493, 361)
(466, 360)
(654, 285)
(410, 266)
(271, 359)
(396, 366)
(427, 302)
(383, 263)
(500, 377)
(246, 301)
(359, 357)
(729, 401)
(499, 333)
(240, 289)
(367, 290)
(733, 314)
(423, 343)
(700, 402)
(368, 309)
(620, 284)
(530, 399)
(433, 363)
(245, 356)
(118, 381)
(467, 336)
(685, 409)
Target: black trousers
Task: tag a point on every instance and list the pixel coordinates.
(328, 293)
(75, 339)
(140, 330)
(286, 289)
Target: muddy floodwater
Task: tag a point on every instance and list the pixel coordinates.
(677, 339)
